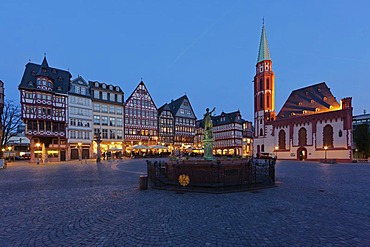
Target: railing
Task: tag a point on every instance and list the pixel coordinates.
(212, 175)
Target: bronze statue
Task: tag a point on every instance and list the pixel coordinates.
(208, 135)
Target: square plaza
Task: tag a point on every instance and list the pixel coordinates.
(84, 204)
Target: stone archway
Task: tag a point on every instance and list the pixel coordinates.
(302, 153)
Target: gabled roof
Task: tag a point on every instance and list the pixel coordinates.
(309, 100)
(60, 78)
(223, 118)
(136, 89)
(175, 105)
(226, 118)
(264, 51)
(77, 81)
(164, 107)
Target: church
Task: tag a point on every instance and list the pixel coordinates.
(312, 124)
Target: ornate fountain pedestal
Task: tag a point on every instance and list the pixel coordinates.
(208, 149)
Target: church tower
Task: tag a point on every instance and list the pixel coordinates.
(264, 95)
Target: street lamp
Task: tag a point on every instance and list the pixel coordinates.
(79, 151)
(325, 148)
(356, 154)
(3, 149)
(276, 149)
(9, 149)
(37, 156)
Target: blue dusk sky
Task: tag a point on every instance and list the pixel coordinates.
(204, 48)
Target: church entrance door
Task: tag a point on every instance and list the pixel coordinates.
(302, 153)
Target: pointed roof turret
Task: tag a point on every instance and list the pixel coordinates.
(44, 69)
(264, 52)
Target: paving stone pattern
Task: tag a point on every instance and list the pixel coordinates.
(76, 204)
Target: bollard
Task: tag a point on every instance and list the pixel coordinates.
(143, 182)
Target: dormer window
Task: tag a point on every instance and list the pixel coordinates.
(117, 89)
(110, 87)
(33, 72)
(96, 84)
(60, 78)
(325, 99)
(312, 101)
(104, 86)
(44, 69)
(300, 103)
(54, 71)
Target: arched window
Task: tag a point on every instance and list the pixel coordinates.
(282, 140)
(258, 149)
(340, 133)
(328, 136)
(268, 83)
(261, 84)
(268, 100)
(261, 101)
(262, 148)
(261, 132)
(302, 137)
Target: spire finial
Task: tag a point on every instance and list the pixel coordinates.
(264, 52)
(44, 54)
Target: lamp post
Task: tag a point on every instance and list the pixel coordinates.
(98, 151)
(9, 149)
(325, 148)
(37, 156)
(356, 154)
(276, 149)
(79, 151)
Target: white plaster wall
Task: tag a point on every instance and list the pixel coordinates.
(296, 128)
(287, 137)
(337, 125)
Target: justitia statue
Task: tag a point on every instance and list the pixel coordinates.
(208, 135)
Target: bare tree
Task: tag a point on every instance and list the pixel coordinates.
(10, 120)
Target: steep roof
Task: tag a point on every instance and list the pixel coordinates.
(164, 107)
(226, 118)
(60, 78)
(137, 90)
(223, 118)
(81, 82)
(309, 100)
(175, 105)
(264, 51)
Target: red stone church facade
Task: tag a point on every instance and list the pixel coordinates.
(311, 125)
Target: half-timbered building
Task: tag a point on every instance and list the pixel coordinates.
(43, 96)
(141, 118)
(108, 108)
(228, 131)
(166, 126)
(184, 130)
(79, 131)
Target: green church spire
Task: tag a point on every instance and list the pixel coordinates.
(264, 52)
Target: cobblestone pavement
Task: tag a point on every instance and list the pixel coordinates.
(86, 205)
